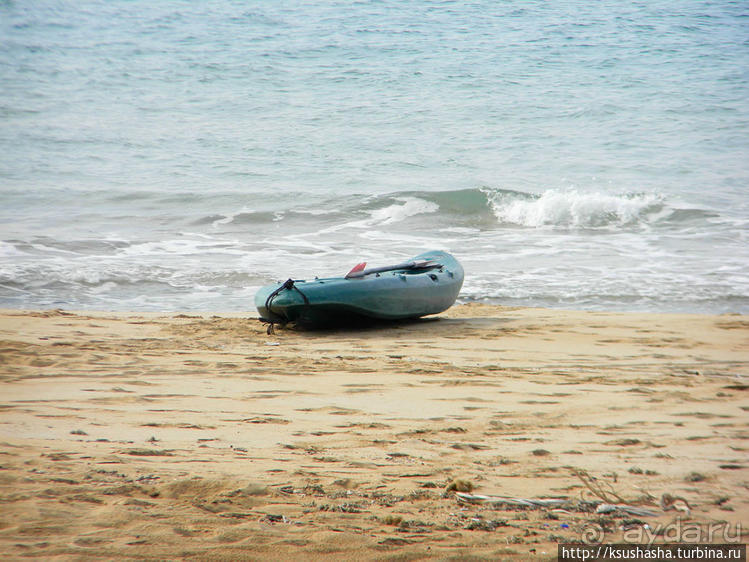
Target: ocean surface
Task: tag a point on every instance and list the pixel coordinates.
(177, 155)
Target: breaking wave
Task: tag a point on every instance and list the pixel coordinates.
(483, 208)
(574, 209)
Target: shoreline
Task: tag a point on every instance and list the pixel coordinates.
(167, 435)
(251, 312)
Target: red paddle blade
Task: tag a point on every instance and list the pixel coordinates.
(357, 268)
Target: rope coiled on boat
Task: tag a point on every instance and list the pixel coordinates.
(276, 318)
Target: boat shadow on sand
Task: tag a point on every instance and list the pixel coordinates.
(434, 325)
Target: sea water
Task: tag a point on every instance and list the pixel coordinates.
(178, 155)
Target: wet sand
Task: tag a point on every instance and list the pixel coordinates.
(167, 436)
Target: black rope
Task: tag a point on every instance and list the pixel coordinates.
(276, 318)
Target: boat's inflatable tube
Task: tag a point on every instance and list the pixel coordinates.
(427, 284)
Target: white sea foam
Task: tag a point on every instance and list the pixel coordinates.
(398, 212)
(177, 247)
(229, 218)
(572, 208)
(8, 250)
(411, 206)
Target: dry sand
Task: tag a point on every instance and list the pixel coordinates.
(159, 437)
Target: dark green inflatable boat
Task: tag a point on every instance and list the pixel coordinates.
(426, 284)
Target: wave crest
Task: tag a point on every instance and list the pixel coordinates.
(575, 209)
(410, 207)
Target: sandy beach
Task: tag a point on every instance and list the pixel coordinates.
(155, 436)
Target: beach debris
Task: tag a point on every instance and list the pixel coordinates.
(454, 430)
(624, 508)
(498, 501)
(346, 483)
(415, 526)
(148, 452)
(596, 488)
(58, 456)
(638, 470)
(669, 502)
(626, 442)
(469, 446)
(695, 477)
(313, 490)
(271, 418)
(65, 481)
(237, 515)
(397, 455)
(386, 500)
(272, 518)
(628, 524)
(459, 485)
(419, 495)
(147, 478)
(349, 507)
(481, 524)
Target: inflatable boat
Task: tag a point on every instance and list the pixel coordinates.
(426, 284)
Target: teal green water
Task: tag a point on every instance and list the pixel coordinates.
(178, 156)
